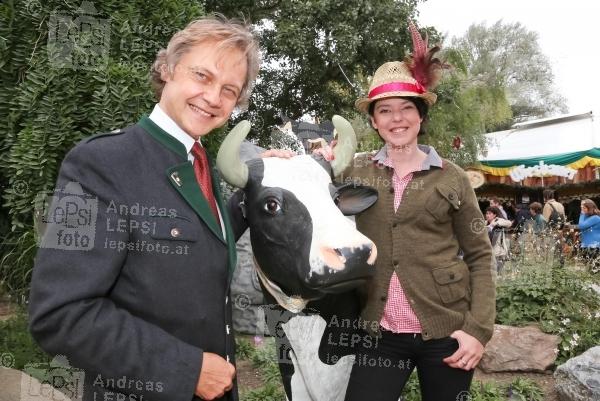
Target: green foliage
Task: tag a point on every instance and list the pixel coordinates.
(52, 96)
(264, 358)
(526, 390)
(317, 50)
(559, 300)
(518, 389)
(18, 343)
(507, 55)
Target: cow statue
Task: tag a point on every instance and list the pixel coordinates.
(308, 256)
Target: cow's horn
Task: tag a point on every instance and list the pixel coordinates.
(346, 145)
(228, 159)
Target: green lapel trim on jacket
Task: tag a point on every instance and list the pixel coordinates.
(183, 179)
(163, 137)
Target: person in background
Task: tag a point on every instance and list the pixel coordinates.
(495, 221)
(511, 210)
(589, 226)
(495, 202)
(496, 226)
(522, 217)
(554, 211)
(539, 223)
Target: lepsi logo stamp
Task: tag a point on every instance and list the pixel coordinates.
(66, 219)
(79, 41)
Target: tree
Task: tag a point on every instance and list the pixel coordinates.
(60, 82)
(508, 55)
(316, 50)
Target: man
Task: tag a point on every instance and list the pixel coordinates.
(131, 280)
(554, 211)
(495, 202)
(554, 214)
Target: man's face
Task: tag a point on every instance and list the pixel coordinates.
(204, 88)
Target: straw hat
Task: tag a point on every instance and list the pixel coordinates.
(394, 79)
(413, 77)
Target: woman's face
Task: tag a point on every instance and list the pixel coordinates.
(489, 216)
(533, 213)
(584, 209)
(397, 120)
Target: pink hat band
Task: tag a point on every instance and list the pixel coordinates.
(396, 87)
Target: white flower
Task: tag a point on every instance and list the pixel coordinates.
(561, 330)
(566, 321)
(566, 348)
(550, 322)
(573, 342)
(556, 350)
(597, 315)
(575, 336)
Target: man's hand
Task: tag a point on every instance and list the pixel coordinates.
(216, 377)
(283, 153)
(468, 354)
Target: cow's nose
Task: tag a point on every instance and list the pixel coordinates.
(336, 258)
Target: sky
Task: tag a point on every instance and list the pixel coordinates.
(568, 34)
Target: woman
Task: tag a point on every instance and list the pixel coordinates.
(589, 226)
(496, 225)
(429, 308)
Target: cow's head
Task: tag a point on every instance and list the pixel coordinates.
(303, 245)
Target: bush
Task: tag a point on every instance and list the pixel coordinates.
(59, 84)
(559, 300)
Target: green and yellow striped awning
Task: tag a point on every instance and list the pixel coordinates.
(574, 160)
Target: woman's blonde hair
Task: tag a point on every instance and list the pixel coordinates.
(227, 33)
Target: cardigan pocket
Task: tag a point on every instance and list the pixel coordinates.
(451, 282)
(442, 202)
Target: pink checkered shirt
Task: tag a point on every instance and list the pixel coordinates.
(398, 316)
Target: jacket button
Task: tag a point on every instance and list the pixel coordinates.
(451, 276)
(383, 298)
(395, 225)
(451, 196)
(392, 190)
(396, 263)
(175, 232)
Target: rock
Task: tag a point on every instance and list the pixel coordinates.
(578, 379)
(246, 293)
(524, 349)
(19, 386)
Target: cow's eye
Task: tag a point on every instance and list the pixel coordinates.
(272, 206)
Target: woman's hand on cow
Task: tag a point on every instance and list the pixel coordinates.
(216, 377)
(283, 153)
(468, 354)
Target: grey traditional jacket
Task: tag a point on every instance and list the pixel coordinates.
(131, 281)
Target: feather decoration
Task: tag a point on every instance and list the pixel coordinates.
(426, 69)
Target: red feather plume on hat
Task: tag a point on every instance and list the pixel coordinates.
(426, 69)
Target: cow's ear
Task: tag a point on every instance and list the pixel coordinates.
(352, 198)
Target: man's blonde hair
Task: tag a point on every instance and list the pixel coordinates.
(227, 33)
